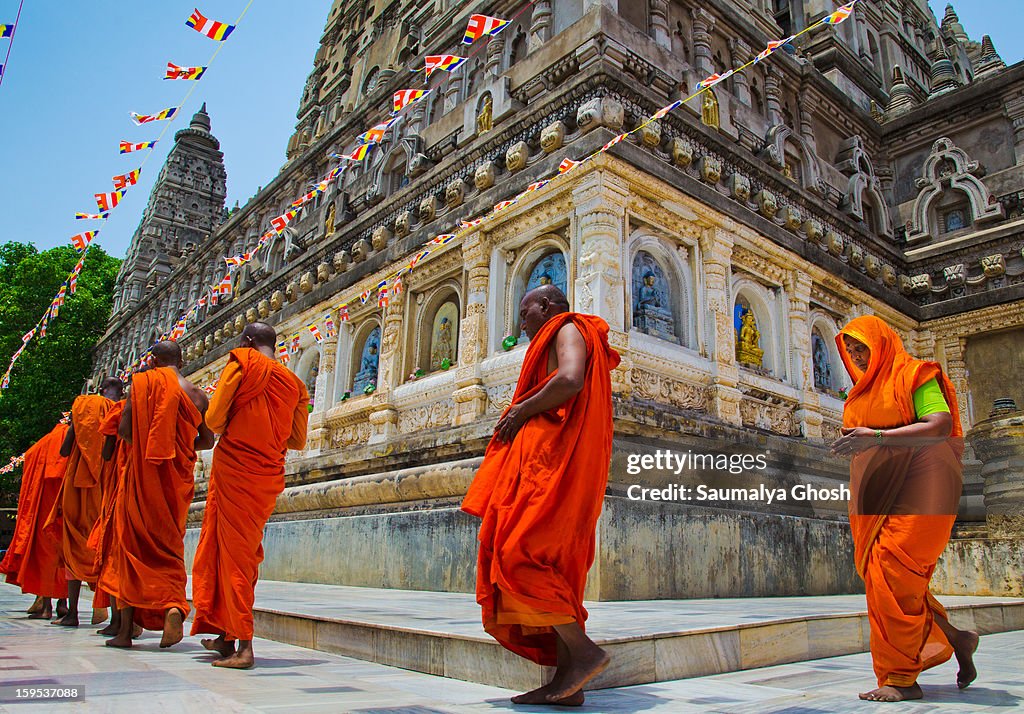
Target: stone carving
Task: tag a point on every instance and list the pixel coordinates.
(652, 312)
(340, 261)
(994, 265)
(323, 272)
(380, 237)
(251, 316)
(403, 224)
(710, 169)
(748, 340)
(820, 360)
(485, 117)
(516, 156)
(650, 135)
(767, 205)
(739, 187)
(228, 330)
(238, 325)
(834, 243)
(428, 209)
(768, 417)
(329, 220)
(872, 266)
(200, 348)
(483, 177)
(306, 282)
(369, 361)
(291, 291)
(709, 112)
(263, 309)
(351, 435)
(682, 152)
(791, 218)
(588, 116)
(218, 335)
(209, 342)
(921, 284)
(360, 250)
(856, 256)
(499, 397)
(443, 338)
(774, 152)
(955, 275)
(429, 416)
(854, 162)
(277, 301)
(814, 231)
(552, 137)
(657, 388)
(454, 193)
(906, 286)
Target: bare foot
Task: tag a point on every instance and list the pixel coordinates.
(964, 650)
(579, 672)
(62, 607)
(69, 620)
(136, 631)
(534, 696)
(99, 615)
(220, 646)
(109, 630)
(36, 606)
(173, 628)
(889, 693)
(45, 614)
(121, 642)
(239, 660)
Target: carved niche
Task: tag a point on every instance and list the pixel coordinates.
(853, 162)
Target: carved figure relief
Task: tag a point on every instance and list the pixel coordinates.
(444, 337)
(821, 361)
(748, 335)
(709, 112)
(652, 306)
(369, 361)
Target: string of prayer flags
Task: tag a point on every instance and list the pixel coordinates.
(504, 204)
(176, 72)
(82, 240)
(126, 180)
(108, 201)
(405, 97)
(466, 225)
(481, 25)
(660, 114)
(127, 147)
(315, 331)
(211, 28)
(567, 165)
(712, 80)
(343, 313)
(280, 222)
(771, 48)
(141, 119)
(614, 141)
(841, 13)
(91, 216)
(537, 185)
(282, 352)
(360, 153)
(376, 134)
(448, 63)
(443, 239)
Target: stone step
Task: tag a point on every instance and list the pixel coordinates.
(649, 641)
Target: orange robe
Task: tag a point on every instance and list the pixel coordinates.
(903, 504)
(157, 487)
(82, 495)
(540, 497)
(102, 535)
(259, 409)
(33, 560)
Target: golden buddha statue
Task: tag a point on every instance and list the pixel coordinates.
(329, 221)
(485, 120)
(709, 110)
(747, 349)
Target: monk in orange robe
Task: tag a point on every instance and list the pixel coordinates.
(82, 495)
(163, 426)
(33, 559)
(901, 428)
(101, 539)
(260, 411)
(539, 492)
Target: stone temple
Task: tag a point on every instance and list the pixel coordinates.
(875, 167)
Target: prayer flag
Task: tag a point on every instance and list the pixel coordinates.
(841, 13)
(376, 134)
(128, 179)
(712, 80)
(315, 331)
(364, 296)
(567, 165)
(343, 313)
(296, 339)
(480, 25)
(448, 63)
(6, 31)
(28, 335)
(282, 351)
(283, 220)
(359, 154)
(771, 48)
(329, 326)
(176, 72)
(211, 28)
(82, 240)
(614, 141)
(465, 225)
(396, 286)
(443, 239)
(382, 297)
(418, 257)
(141, 119)
(127, 147)
(224, 287)
(90, 216)
(504, 204)
(405, 97)
(107, 201)
(234, 260)
(661, 113)
(537, 185)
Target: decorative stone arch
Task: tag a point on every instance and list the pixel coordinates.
(949, 169)
(517, 43)
(427, 314)
(528, 258)
(370, 81)
(863, 199)
(774, 152)
(768, 324)
(360, 336)
(392, 173)
(826, 327)
(673, 260)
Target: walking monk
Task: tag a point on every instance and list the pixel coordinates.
(539, 492)
(901, 428)
(82, 494)
(163, 426)
(259, 409)
(33, 560)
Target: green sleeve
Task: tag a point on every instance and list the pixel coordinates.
(928, 399)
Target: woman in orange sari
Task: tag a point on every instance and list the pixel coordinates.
(901, 428)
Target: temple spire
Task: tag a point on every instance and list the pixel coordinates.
(990, 61)
(901, 96)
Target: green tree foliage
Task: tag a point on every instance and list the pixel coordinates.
(52, 370)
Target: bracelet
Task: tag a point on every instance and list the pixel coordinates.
(878, 434)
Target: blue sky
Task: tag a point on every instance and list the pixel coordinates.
(75, 74)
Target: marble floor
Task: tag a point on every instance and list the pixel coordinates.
(293, 679)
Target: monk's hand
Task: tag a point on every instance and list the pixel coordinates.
(510, 424)
(854, 440)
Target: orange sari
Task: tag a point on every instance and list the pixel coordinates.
(260, 411)
(149, 517)
(540, 497)
(903, 504)
(33, 560)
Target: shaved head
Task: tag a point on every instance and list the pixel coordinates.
(166, 353)
(112, 388)
(554, 296)
(539, 305)
(261, 334)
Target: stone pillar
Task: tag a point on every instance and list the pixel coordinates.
(861, 34)
(495, 49)
(384, 418)
(808, 413)
(659, 24)
(703, 24)
(999, 443)
(325, 375)
(716, 257)
(1015, 111)
(470, 396)
(773, 94)
(956, 370)
(806, 125)
(416, 117)
(600, 203)
(540, 25)
(741, 54)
